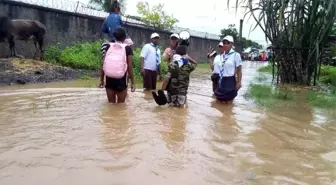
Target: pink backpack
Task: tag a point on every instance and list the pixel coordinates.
(115, 62)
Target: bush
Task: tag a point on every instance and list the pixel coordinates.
(87, 55)
(53, 53)
(328, 75)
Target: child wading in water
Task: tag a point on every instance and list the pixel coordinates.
(117, 63)
(178, 76)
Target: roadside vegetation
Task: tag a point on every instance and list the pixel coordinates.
(266, 93)
(87, 55)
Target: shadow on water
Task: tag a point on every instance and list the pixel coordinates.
(67, 134)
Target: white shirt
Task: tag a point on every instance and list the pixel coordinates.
(216, 64)
(177, 58)
(233, 61)
(149, 52)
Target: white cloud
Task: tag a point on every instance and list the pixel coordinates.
(206, 16)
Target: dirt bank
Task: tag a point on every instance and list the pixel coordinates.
(24, 71)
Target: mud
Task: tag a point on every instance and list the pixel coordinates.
(27, 71)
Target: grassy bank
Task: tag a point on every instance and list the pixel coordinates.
(87, 55)
(266, 94)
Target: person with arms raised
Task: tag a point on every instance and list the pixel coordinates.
(170, 51)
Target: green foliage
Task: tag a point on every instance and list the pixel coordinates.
(232, 30)
(322, 100)
(270, 96)
(267, 69)
(105, 5)
(303, 24)
(80, 55)
(87, 55)
(328, 75)
(267, 96)
(156, 16)
(53, 53)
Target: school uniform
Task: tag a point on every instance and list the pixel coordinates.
(215, 72)
(226, 68)
(152, 61)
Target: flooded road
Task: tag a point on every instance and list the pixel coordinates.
(64, 136)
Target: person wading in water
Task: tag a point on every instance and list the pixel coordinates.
(150, 57)
(170, 51)
(230, 72)
(212, 61)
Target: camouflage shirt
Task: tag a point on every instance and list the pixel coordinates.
(179, 77)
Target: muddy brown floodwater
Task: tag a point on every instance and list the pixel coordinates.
(54, 134)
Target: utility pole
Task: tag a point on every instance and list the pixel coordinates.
(241, 29)
(239, 45)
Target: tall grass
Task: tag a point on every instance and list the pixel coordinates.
(267, 95)
(328, 75)
(87, 55)
(298, 30)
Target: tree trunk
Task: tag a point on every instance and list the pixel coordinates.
(291, 70)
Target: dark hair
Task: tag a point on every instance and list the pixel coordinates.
(119, 34)
(181, 50)
(114, 5)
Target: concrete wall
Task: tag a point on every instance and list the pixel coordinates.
(67, 28)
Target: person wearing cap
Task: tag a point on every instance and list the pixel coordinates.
(170, 51)
(212, 60)
(229, 68)
(150, 57)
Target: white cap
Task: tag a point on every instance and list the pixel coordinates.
(175, 35)
(220, 44)
(229, 38)
(154, 35)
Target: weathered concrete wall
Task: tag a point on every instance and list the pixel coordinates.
(67, 27)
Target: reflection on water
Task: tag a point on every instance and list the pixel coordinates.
(72, 136)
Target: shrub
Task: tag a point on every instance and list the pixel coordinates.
(328, 75)
(53, 53)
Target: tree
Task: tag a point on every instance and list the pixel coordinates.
(231, 30)
(249, 43)
(105, 5)
(155, 16)
(298, 31)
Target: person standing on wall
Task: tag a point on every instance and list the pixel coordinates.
(151, 63)
(170, 51)
(112, 22)
(230, 72)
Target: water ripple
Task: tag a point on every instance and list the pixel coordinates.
(72, 136)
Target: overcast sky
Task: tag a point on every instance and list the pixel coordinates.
(207, 16)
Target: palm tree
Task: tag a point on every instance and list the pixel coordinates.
(298, 31)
